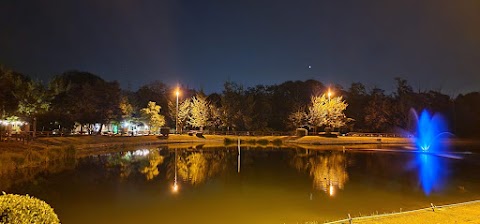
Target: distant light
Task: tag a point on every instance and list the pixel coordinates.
(309, 66)
(141, 152)
(331, 190)
(15, 123)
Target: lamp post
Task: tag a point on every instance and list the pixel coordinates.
(176, 114)
(329, 94)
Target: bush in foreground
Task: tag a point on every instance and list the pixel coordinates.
(25, 209)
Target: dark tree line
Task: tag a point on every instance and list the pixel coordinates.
(84, 98)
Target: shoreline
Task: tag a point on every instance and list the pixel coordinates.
(88, 142)
(463, 212)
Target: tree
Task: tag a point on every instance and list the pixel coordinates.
(357, 98)
(155, 91)
(199, 112)
(287, 97)
(183, 114)
(327, 112)
(379, 111)
(153, 117)
(404, 100)
(84, 98)
(32, 102)
(230, 112)
(11, 84)
(467, 114)
(257, 109)
(126, 108)
(298, 118)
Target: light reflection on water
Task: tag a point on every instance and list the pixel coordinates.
(274, 185)
(431, 172)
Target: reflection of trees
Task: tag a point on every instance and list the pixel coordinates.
(123, 162)
(145, 161)
(24, 166)
(150, 168)
(197, 167)
(193, 167)
(328, 169)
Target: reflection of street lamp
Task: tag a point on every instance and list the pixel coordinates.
(176, 114)
(175, 185)
(331, 190)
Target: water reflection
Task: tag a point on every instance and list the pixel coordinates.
(149, 167)
(328, 169)
(146, 161)
(125, 187)
(431, 172)
(22, 166)
(195, 167)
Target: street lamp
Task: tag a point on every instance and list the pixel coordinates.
(177, 92)
(329, 94)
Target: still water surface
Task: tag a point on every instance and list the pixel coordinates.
(253, 185)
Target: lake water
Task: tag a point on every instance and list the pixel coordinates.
(250, 185)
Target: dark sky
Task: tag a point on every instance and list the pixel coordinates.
(433, 44)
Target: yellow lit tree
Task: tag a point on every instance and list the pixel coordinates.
(200, 112)
(152, 115)
(328, 112)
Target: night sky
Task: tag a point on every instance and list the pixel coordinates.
(433, 44)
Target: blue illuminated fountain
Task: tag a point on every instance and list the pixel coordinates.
(430, 141)
(431, 131)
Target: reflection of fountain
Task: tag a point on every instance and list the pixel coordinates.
(431, 172)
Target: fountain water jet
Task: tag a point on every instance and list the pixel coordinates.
(430, 132)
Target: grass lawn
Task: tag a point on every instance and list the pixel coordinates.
(468, 213)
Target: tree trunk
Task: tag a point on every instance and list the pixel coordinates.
(34, 127)
(100, 130)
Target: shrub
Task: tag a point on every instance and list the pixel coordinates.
(277, 142)
(300, 132)
(25, 209)
(199, 134)
(229, 141)
(262, 141)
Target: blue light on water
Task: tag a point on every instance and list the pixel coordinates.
(431, 172)
(431, 132)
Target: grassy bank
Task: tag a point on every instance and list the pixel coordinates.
(97, 142)
(462, 213)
